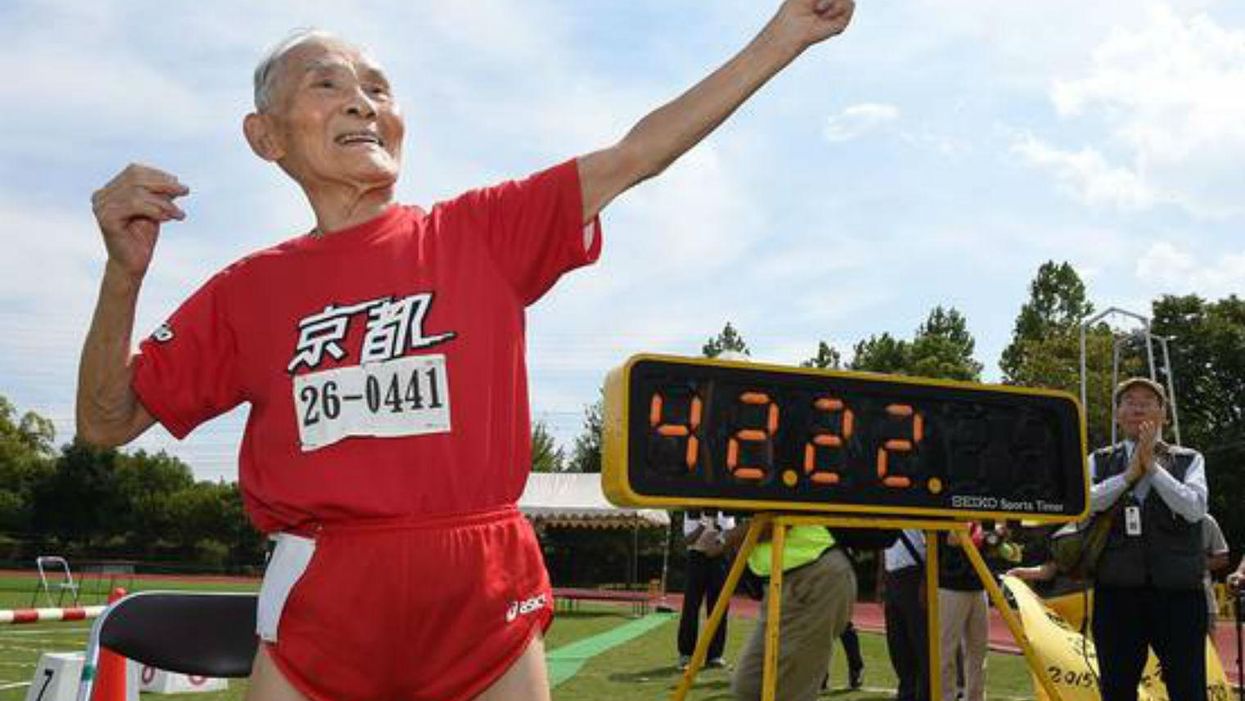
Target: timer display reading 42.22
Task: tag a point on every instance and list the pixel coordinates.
(688, 432)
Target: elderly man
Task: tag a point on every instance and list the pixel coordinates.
(382, 356)
(1148, 586)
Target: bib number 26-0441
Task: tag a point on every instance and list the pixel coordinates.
(403, 397)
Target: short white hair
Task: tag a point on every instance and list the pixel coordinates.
(265, 72)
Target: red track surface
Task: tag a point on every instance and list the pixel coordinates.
(868, 616)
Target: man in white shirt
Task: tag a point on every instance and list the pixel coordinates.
(1148, 586)
(706, 573)
(904, 604)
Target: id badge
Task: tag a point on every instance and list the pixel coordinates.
(1132, 520)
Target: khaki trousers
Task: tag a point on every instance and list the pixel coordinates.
(817, 604)
(963, 622)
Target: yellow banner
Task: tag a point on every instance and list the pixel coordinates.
(1069, 660)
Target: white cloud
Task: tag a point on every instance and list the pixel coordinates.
(790, 243)
(857, 120)
(941, 143)
(1086, 174)
(1171, 95)
(1172, 269)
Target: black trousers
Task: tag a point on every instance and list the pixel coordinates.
(1128, 620)
(851, 648)
(705, 577)
(906, 637)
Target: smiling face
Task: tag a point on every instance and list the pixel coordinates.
(1136, 405)
(331, 120)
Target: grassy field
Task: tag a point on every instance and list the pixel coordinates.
(643, 668)
(19, 591)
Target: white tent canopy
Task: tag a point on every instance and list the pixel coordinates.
(576, 499)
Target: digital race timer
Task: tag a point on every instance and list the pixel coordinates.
(690, 432)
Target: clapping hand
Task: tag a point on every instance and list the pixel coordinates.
(1143, 456)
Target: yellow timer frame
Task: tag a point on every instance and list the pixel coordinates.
(682, 432)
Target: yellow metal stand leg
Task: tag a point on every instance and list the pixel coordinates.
(769, 674)
(755, 529)
(933, 637)
(1000, 603)
(769, 680)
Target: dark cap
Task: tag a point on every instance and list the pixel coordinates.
(1146, 382)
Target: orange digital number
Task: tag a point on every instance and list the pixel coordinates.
(901, 412)
(752, 435)
(827, 440)
(688, 430)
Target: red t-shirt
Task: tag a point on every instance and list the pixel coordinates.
(384, 363)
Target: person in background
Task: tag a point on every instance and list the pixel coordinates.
(850, 640)
(855, 663)
(1216, 548)
(907, 637)
(1037, 564)
(963, 619)
(1236, 579)
(1042, 572)
(706, 573)
(1149, 589)
(818, 593)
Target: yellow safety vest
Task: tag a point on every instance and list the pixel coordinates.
(803, 545)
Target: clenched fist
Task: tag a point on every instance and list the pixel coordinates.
(807, 22)
(130, 210)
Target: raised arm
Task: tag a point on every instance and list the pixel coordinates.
(660, 138)
(129, 211)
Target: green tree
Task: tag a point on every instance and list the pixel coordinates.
(883, 353)
(943, 347)
(26, 460)
(1056, 307)
(81, 500)
(586, 453)
(201, 518)
(828, 357)
(1207, 345)
(1055, 363)
(247, 545)
(546, 455)
(1045, 350)
(146, 483)
(728, 340)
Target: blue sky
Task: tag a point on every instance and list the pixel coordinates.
(937, 153)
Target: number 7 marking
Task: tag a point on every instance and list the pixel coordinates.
(47, 679)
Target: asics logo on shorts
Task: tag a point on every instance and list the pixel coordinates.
(523, 608)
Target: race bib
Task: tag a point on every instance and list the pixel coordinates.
(402, 397)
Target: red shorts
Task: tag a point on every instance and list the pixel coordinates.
(429, 609)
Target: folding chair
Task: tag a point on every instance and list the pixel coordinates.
(205, 634)
(54, 564)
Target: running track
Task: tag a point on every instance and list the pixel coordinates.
(868, 616)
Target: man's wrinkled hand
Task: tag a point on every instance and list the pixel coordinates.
(130, 210)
